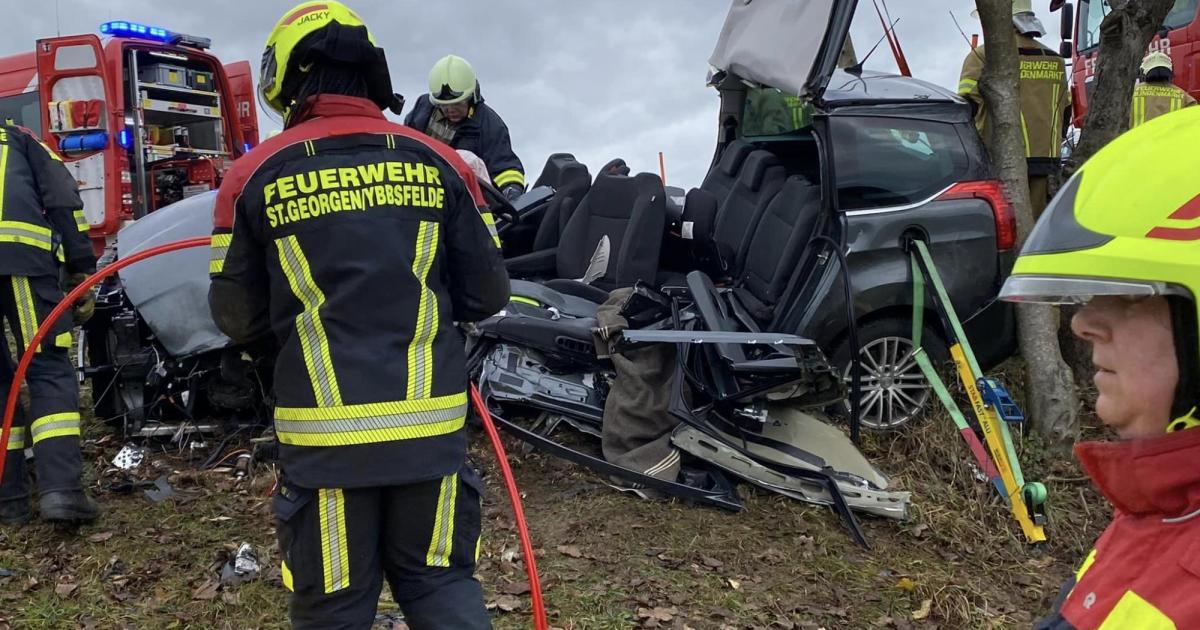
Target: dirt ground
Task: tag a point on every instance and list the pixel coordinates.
(608, 560)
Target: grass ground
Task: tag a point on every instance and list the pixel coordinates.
(608, 560)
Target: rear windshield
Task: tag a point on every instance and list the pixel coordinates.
(883, 162)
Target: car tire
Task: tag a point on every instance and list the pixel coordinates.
(895, 392)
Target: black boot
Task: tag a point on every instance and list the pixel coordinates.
(70, 506)
(15, 511)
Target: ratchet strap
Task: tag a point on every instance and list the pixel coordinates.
(1003, 467)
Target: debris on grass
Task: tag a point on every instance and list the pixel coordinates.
(162, 490)
(243, 567)
(129, 458)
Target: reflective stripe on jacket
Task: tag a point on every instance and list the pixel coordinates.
(1144, 572)
(482, 133)
(1151, 100)
(41, 214)
(1045, 97)
(359, 242)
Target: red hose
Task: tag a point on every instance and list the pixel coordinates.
(68, 302)
(10, 408)
(514, 495)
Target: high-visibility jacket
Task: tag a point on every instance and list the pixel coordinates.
(1045, 98)
(358, 242)
(1151, 100)
(1144, 571)
(483, 133)
(41, 214)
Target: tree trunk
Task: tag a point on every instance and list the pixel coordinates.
(1124, 35)
(1052, 403)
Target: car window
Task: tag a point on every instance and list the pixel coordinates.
(893, 161)
(769, 112)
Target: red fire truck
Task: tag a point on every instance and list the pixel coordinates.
(1179, 38)
(143, 117)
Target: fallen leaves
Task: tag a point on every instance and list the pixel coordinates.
(206, 591)
(570, 551)
(65, 589)
(100, 537)
(923, 612)
(505, 603)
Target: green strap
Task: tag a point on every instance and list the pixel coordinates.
(936, 280)
(977, 373)
(931, 375)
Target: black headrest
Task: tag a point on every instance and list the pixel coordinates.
(614, 196)
(556, 164)
(616, 166)
(733, 156)
(756, 167)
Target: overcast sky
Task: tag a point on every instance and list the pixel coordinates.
(620, 78)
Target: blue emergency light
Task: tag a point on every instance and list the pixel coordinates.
(125, 28)
(122, 28)
(125, 139)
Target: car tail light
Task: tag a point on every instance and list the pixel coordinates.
(126, 188)
(991, 191)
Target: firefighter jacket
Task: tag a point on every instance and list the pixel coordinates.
(358, 242)
(483, 133)
(1045, 98)
(41, 215)
(1144, 571)
(1151, 100)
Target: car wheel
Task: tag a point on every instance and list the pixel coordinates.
(894, 390)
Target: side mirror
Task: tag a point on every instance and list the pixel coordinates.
(1065, 49)
(1067, 25)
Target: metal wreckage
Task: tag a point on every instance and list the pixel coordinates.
(669, 327)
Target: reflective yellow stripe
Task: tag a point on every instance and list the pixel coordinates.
(3, 172)
(1025, 132)
(286, 574)
(511, 176)
(63, 341)
(1087, 564)
(335, 557)
(54, 425)
(966, 86)
(442, 541)
(26, 310)
(310, 330)
(217, 252)
(391, 141)
(53, 155)
(1134, 612)
(16, 439)
(1137, 114)
(81, 221)
(478, 546)
(25, 233)
(524, 300)
(1055, 145)
(370, 423)
(309, 148)
(490, 222)
(420, 350)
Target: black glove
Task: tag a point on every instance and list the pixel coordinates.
(86, 304)
(512, 191)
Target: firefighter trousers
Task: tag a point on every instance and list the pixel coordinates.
(51, 424)
(338, 546)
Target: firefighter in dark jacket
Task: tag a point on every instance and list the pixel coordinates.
(1156, 94)
(43, 234)
(1045, 101)
(454, 112)
(358, 243)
